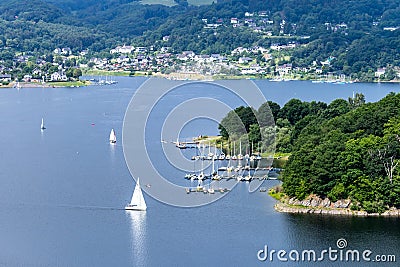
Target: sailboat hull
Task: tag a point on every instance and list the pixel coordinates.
(133, 207)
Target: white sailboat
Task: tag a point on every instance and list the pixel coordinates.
(137, 201)
(240, 156)
(42, 127)
(113, 137)
(233, 157)
(222, 154)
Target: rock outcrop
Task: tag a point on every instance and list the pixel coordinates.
(316, 205)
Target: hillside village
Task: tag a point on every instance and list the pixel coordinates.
(273, 62)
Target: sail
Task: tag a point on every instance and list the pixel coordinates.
(137, 198)
(113, 138)
(42, 125)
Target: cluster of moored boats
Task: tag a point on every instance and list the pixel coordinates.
(237, 166)
(222, 156)
(232, 174)
(204, 190)
(102, 81)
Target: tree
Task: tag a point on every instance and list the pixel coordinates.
(69, 73)
(357, 100)
(268, 113)
(336, 108)
(294, 110)
(317, 107)
(237, 122)
(73, 73)
(254, 133)
(77, 73)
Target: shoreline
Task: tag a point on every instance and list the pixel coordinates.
(203, 77)
(182, 77)
(284, 208)
(80, 83)
(315, 205)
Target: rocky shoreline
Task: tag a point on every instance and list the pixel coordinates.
(315, 205)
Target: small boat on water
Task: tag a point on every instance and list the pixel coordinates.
(181, 145)
(42, 127)
(113, 137)
(137, 201)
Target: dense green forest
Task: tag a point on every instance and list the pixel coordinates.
(350, 33)
(347, 149)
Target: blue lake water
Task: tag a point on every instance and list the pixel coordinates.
(62, 191)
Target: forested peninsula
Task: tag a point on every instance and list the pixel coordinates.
(344, 155)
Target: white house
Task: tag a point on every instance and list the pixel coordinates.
(390, 28)
(202, 58)
(245, 60)
(379, 72)
(284, 69)
(141, 49)
(57, 77)
(27, 78)
(66, 51)
(234, 20)
(125, 49)
(5, 77)
(239, 50)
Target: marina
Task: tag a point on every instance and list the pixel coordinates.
(100, 81)
(252, 166)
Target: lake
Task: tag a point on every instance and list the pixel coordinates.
(63, 190)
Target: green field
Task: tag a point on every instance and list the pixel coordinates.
(68, 84)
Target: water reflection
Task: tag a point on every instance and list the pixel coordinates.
(139, 237)
(41, 134)
(112, 153)
(308, 231)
